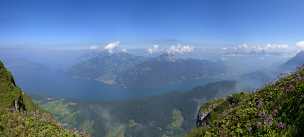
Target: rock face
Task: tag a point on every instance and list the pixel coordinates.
(11, 95)
(18, 105)
(275, 110)
(202, 119)
(19, 116)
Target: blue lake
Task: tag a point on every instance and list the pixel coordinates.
(59, 84)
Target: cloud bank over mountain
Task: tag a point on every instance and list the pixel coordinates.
(180, 49)
(174, 49)
(189, 49)
(111, 47)
(154, 49)
(300, 45)
(271, 48)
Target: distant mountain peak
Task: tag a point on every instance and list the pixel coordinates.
(296, 61)
(301, 53)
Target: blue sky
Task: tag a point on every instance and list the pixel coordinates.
(59, 22)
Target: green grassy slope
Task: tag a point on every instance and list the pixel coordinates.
(19, 116)
(275, 110)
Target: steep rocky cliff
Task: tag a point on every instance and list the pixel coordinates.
(19, 116)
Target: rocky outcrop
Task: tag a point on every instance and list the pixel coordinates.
(202, 119)
(18, 105)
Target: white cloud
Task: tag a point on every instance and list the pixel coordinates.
(154, 49)
(300, 45)
(111, 47)
(180, 49)
(276, 46)
(155, 46)
(174, 49)
(268, 48)
(150, 50)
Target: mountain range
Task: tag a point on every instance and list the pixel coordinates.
(131, 71)
(104, 66)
